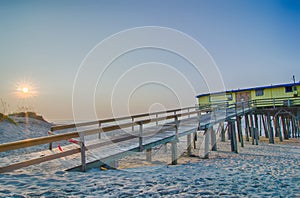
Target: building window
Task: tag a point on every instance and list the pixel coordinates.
(295, 92)
(288, 89)
(259, 92)
(229, 96)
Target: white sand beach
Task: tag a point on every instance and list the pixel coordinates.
(257, 171)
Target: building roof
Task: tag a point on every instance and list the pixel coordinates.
(251, 88)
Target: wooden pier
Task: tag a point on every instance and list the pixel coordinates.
(100, 142)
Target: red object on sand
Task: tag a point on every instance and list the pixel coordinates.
(73, 141)
(59, 147)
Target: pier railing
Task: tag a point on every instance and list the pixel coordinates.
(258, 103)
(130, 121)
(277, 102)
(226, 110)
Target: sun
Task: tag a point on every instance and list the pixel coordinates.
(25, 90)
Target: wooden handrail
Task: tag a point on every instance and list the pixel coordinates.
(66, 136)
(38, 160)
(68, 152)
(256, 102)
(36, 141)
(68, 126)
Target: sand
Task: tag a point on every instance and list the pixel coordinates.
(257, 171)
(265, 170)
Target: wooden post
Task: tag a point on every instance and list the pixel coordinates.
(279, 128)
(156, 116)
(189, 144)
(99, 135)
(247, 127)
(251, 126)
(141, 136)
(271, 135)
(238, 128)
(149, 155)
(195, 139)
(256, 134)
(297, 129)
(293, 128)
(252, 129)
(213, 139)
(265, 126)
(206, 143)
(174, 152)
(233, 137)
(284, 126)
(276, 126)
(174, 142)
(229, 132)
(51, 143)
(132, 120)
(240, 132)
(222, 132)
(256, 124)
(198, 128)
(289, 127)
(260, 125)
(82, 151)
(176, 127)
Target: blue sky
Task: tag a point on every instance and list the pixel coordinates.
(253, 42)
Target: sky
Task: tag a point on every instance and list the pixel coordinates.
(48, 47)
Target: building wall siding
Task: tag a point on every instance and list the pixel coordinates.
(269, 93)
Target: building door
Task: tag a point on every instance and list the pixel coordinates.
(243, 96)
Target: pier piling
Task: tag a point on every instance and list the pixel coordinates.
(240, 132)
(189, 144)
(213, 139)
(231, 128)
(206, 143)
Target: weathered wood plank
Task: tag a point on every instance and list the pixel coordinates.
(240, 132)
(37, 141)
(61, 127)
(213, 139)
(174, 152)
(39, 160)
(206, 143)
(149, 155)
(233, 142)
(189, 144)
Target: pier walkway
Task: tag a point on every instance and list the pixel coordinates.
(93, 144)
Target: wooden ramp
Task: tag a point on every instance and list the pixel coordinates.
(109, 140)
(116, 148)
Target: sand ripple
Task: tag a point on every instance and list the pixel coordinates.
(258, 171)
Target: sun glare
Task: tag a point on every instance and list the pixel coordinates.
(25, 89)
